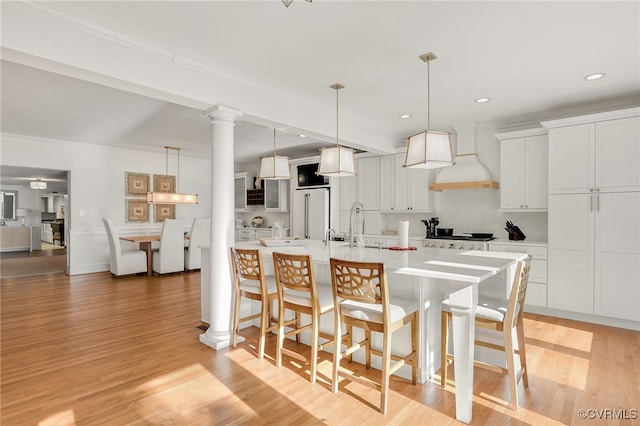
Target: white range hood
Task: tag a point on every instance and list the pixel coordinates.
(467, 171)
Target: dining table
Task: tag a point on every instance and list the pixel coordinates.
(428, 275)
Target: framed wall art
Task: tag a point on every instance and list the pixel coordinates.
(164, 211)
(164, 183)
(137, 211)
(136, 184)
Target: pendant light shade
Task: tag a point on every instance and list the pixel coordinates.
(158, 197)
(337, 161)
(275, 167)
(429, 149)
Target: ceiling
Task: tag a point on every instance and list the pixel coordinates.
(529, 58)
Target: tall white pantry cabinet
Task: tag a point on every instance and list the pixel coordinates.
(594, 214)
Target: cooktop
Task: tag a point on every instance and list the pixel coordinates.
(462, 237)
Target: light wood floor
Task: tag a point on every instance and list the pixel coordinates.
(95, 350)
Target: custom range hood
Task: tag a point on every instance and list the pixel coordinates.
(467, 171)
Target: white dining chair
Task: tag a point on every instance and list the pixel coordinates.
(198, 237)
(170, 256)
(123, 262)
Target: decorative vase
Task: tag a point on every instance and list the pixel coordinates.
(257, 221)
(278, 231)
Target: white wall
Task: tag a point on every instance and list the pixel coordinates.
(97, 187)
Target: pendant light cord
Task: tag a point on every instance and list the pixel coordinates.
(428, 95)
(337, 117)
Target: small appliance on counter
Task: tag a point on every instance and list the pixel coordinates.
(515, 234)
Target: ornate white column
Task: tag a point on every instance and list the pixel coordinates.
(218, 335)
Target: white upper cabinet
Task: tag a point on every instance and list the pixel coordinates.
(403, 189)
(368, 182)
(524, 171)
(617, 154)
(387, 183)
(240, 192)
(276, 195)
(598, 156)
(348, 191)
(363, 187)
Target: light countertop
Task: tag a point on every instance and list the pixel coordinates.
(467, 266)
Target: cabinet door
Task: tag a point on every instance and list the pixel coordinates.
(276, 195)
(387, 182)
(348, 191)
(512, 174)
(240, 192)
(571, 159)
(536, 172)
(571, 243)
(420, 198)
(401, 198)
(271, 194)
(21, 237)
(617, 255)
(368, 182)
(618, 155)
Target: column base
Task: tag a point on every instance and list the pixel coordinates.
(214, 341)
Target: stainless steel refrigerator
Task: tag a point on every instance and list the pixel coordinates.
(310, 213)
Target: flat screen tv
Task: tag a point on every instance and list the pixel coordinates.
(308, 176)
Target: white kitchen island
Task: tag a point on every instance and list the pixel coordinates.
(428, 275)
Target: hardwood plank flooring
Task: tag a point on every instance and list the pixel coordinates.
(97, 350)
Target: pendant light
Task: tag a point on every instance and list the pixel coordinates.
(171, 197)
(275, 167)
(38, 184)
(429, 149)
(336, 161)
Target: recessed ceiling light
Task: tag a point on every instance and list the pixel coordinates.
(404, 116)
(303, 136)
(596, 76)
(482, 100)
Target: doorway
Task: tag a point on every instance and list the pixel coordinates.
(43, 198)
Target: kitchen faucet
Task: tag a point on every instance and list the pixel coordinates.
(356, 207)
(327, 236)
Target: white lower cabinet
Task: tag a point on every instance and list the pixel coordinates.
(253, 234)
(594, 253)
(537, 287)
(245, 234)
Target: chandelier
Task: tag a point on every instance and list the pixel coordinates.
(171, 197)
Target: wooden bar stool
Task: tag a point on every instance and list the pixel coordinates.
(361, 297)
(251, 283)
(299, 292)
(502, 315)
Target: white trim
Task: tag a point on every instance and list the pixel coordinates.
(592, 118)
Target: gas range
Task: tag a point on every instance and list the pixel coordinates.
(458, 242)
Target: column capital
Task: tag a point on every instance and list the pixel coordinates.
(222, 113)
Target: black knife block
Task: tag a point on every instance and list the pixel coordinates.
(517, 234)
